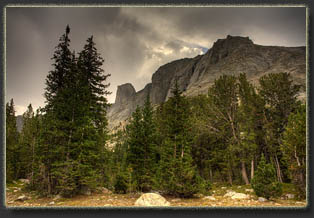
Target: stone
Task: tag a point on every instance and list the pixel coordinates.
(151, 199)
(223, 187)
(105, 191)
(261, 199)
(249, 190)
(22, 198)
(51, 203)
(24, 181)
(211, 198)
(15, 190)
(57, 197)
(10, 202)
(289, 196)
(230, 194)
(239, 196)
(195, 75)
(176, 200)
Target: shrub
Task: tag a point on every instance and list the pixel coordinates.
(121, 183)
(265, 182)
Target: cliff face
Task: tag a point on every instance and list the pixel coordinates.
(233, 55)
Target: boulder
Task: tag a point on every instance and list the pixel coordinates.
(239, 196)
(211, 198)
(230, 194)
(289, 196)
(22, 198)
(261, 199)
(151, 199)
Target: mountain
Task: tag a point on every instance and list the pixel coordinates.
(232, 55)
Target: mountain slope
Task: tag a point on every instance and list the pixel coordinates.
(232, 55)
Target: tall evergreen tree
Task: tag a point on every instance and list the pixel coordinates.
(280, 96)
(13, 166)
(178, 174)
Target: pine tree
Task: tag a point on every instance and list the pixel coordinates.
(264, 181)
(178, 174)
(294, 148)
(13, 166)
(280, 96)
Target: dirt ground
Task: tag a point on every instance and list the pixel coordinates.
(99, 199)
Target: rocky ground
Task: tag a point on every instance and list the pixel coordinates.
(221, 196)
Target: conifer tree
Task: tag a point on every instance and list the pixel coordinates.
(178, 174)
(13, 166)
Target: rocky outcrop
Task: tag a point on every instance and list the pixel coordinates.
(232, 55)
(151, 199)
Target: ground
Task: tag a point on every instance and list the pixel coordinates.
(101, 199)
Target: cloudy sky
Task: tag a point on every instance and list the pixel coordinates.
(134, 41)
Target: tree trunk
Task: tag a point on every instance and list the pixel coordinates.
(252, 168)
(244, 175)
(279, 176)
(211, 174)
(230, 177)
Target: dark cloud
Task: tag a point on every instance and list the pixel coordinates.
(133, 41)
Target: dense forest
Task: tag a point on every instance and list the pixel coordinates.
(238, 133)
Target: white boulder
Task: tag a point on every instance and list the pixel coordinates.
(239, 196)
(151, 199)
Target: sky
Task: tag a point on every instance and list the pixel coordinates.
(134, 41)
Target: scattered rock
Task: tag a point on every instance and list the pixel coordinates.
(57, 197)
(51, 203)
(176, 200)
(249, 190)
(239, 196)
(230, 194)
(289, 196)
(24, 181)
(151, 199)
(211, 198)
(22, 198)
(261, 199)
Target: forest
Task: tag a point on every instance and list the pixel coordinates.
(239, 133)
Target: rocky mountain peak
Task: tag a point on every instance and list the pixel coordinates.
(124, 92)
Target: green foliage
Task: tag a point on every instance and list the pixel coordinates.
(13, 166)
(141, 141)
(121, 183)
(294, 148)
(265, 182)
(178, 174)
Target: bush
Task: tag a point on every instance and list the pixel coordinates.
(121, 183)
(265, 182)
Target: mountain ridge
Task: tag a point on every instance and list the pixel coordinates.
(232, 55)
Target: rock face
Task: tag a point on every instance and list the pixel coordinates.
(232, 55)
(151, 199)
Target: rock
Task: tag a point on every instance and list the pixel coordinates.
(223, 187)
(51, 203)
(176, 200)
(230, 194)
(199, 195)
(7, 189)
(10, 202)
(239, 196)
(289, 196)
(151, 199)
(57, 197)
(15, 190)
(261, 199)
(195, 75)
(24, 181)
(211, 198)
(22, 198)
(249, 190)
(239, 186)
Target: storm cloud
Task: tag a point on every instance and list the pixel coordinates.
(134, 41)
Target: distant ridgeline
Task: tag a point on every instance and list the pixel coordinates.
(233, 55)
